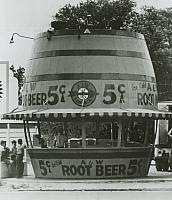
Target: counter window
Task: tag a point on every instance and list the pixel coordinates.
(96, 134)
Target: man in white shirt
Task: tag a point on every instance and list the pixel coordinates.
(19, 159)
(2, 148)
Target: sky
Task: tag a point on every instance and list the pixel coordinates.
(28, 18)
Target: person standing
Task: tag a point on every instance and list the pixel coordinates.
(4, 152)
(13, 154)
(19, 159)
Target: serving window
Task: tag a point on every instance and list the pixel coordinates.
(97, 134)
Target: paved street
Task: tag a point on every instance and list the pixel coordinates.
(77, 195)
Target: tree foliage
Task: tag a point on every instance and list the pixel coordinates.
(19, 75)
(156, 26)
(100, 14)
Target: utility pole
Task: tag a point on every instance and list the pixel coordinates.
(7, 98)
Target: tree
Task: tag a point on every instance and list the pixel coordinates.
(19, 75)
(156, 26)
(98, 14)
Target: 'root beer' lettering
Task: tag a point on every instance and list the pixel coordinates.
(110, 170)
(146, 99)
(52, 97)
(74, 170)
(34, 99)
(134, 167)
(98, 168)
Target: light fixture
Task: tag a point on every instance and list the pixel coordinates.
(12, 37)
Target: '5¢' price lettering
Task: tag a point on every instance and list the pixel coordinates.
(53, 96)
(134, 167)
(45, 167)
(109, 94)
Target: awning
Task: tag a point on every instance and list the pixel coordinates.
(85, 113)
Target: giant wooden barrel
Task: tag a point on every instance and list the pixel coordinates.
(103, 69)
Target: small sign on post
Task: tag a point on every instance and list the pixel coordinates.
(4, 86)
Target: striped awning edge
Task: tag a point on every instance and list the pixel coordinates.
(85, 113)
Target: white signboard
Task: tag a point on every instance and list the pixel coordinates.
(8, 100)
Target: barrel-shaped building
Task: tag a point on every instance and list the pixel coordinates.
(96, 91)
(114, 67)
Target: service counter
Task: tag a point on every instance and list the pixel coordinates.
(71, 163)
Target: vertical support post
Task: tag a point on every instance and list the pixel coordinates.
(65, 134)
(157, 136)
(65, 127)
(50, 136)
(97, 131)
(83, 135)
(25, 133)
(28, 130)
(39, 131)
(119, 133)
(111, 133)
(156, 132)
(7, 101)
(7, 86)
(124, 133)
(146, 132)
(8, 134)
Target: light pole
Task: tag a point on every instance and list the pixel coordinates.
(7, 98)
(23, 36)
(20, 70)
(11, 42)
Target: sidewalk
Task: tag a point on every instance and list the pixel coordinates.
(155, 181)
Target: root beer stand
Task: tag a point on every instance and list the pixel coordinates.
(99, 88)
